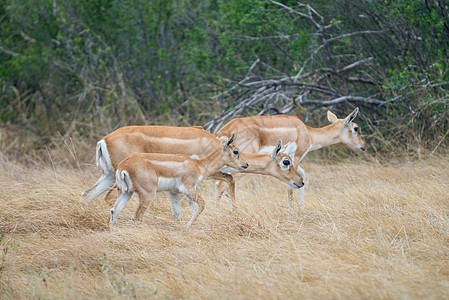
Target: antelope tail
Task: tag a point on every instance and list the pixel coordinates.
(102, 157)
(123, 181)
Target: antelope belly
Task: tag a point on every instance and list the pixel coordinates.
(168, 184)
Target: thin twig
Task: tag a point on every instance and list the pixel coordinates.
(439, 143)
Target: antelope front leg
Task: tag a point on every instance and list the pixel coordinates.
(289, 196)
(232, 193)
(144, 202)
(301, 190)
(220, 188)
(225, 178)
(200, 206)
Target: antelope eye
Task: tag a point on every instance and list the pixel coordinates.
(236, 152)
(356, 129)
(286, 162)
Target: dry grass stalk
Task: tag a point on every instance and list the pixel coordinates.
(366, 231)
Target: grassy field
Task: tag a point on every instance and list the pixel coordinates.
(366, 231)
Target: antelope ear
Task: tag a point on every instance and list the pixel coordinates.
(290, 150)
(227, 142)
(276, 150)
(231, 140)
(331, 116)
(351, 116)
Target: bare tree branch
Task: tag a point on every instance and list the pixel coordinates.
(355, 64)
(354, 33)
(342, 99)
(9, 52)
(27, 37)
(290, 9)
(270, 37)
(241, 81)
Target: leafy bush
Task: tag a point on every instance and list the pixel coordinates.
(87, 68)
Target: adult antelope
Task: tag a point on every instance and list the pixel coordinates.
(116, 146)
(259, 134)
(148, 173)
(191, 141)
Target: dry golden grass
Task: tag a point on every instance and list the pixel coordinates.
(366, 231)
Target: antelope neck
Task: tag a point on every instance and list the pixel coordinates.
(211, 163)
(256, 162)
(324, 136)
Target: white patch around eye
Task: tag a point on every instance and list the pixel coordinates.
(285, 167)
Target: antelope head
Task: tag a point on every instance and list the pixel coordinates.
(232, 155)
(283, 168)
(349, 131)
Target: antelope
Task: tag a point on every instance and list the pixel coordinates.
(258, 134)
(148, 173)
(278, 164)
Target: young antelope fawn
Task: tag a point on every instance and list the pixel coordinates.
(148, 173)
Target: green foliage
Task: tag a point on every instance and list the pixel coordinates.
(65, 65)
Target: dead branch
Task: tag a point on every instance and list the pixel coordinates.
(9, 52)
(338, 100)
(355, 64)
(27, 37)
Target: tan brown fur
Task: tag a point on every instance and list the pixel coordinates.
(253, 133)
(147, 139)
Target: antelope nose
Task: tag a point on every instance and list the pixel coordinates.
(362, 148)
(244, 167)
(298, 186)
